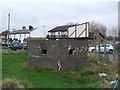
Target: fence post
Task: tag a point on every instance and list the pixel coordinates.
(113, 48)
(99, 49)
(105, 48)
(95, 45)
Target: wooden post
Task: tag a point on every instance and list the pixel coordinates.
(95, 45)
(99, 49)
(105, 48)
(114, 48)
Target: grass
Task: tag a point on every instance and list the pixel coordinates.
(4, 47)
(15, 67)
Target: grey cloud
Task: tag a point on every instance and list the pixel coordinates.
(55, 13)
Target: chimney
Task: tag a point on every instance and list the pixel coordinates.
(30, 27)
(23, 27)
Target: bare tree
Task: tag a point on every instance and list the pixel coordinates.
(98, 26)
(113, 31)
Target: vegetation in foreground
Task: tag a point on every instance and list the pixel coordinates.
(15, 69)
(4, 47)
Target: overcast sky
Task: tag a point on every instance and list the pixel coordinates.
(52, 13)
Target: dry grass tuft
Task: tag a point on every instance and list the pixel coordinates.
(12, 83)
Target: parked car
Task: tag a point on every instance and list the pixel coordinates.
(109, 48)
(16, 46)
(4, 44)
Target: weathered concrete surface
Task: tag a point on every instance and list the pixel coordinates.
(57, 51)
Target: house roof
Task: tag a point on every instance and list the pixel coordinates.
(64, 27)
(22, 31)
(61, 28)
(5, 32)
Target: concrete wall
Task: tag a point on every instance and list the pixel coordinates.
(57, 51)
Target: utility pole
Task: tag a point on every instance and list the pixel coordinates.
(9, 21)
(8, 27)
(44, 31)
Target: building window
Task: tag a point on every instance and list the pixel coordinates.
(44, 51)
(70, 51)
